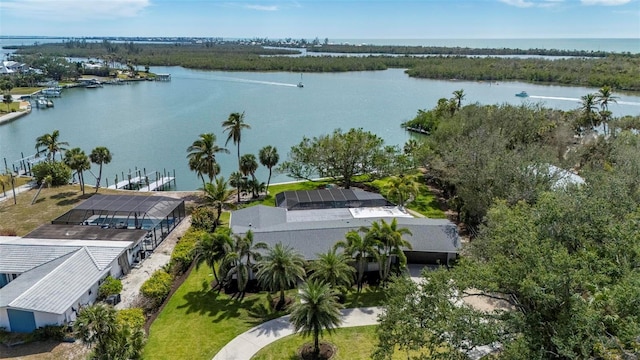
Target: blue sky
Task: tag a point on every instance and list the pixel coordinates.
(337, 19)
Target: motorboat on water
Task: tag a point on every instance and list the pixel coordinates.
(522, 94)
(52, 91)
(300, 84)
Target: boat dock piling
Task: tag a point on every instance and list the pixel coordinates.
(140, 180)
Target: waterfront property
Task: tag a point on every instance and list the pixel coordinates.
(316, 230)
(158, 215)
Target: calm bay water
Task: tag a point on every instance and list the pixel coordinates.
(150, 124)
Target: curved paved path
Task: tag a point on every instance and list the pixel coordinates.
(247, 344)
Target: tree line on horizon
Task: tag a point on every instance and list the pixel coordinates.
(621, 71)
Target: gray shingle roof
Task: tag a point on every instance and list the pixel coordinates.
(317, 236)
(54, 290)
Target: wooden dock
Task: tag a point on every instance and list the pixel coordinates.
(159, 184)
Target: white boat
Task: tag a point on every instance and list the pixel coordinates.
(300, 84)
(52, 92)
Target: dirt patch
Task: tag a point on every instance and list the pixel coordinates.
(45, 350)
(327, 350)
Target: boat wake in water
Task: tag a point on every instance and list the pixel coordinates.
(239, 80)
(579, 100)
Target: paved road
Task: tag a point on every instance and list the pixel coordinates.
(247, 344)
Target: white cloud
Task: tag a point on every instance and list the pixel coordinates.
(71, 10)
(605, 2)
(262, 7)
(518, 3)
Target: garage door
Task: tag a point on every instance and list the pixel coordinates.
(21, 321)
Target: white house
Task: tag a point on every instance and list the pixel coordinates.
(45, 282)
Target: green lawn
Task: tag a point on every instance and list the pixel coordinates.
(356, 343)
(25, 90)
(269, 200)
(425, 203)
(197, 322)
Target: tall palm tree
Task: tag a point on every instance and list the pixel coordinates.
(238, 262)
(317, 311)
(211, 249)
(202, 156)
(100, 155)
(588, 108)
(604, 97)
(402, 188)
(458, 96)
(280, 269)
(234, 126)
(390, 241)
(360, 249)
(248, 166)
(237, 181)
(333, 269)
(215, 194)
(51, 144)
(269, 157)
(77, 160)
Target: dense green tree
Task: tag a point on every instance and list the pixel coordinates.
(202, 156)
(389, 239)
(248, 166)
(280, 269)
(7, 99)
(234, 126)
(340, 155)
(458, 96)
(317, 311)
(98, 326)
(402, 188)
(240, 261)
(78, 161)
(269, 158)
(211, 249)
(51, 144)
(333, 268)
(216, 194)
(360, 249)
(100, 155)
(237, 181)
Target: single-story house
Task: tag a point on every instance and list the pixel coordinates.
(46, 281)
(311, 232)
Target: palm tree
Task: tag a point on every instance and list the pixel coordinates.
(389, 239)
(215, 194)
(51, 144)
(100, 155)
(604, 97)
(77, 160)
(248, 166)
(212, 249)
(202, 156)
(234, 125)
(360, 249)
(402, 188)
(458, 96)
(96, 325)
(318, 310)
(237, 181)
(333, 269)
(588, 108)
(238, 262)
(280, 269)
(269, 157)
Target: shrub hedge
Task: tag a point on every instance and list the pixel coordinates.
(110, 286)
(157, 287)
(60, 173)
(182, 255)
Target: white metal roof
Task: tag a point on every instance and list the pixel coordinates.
(54, 287)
